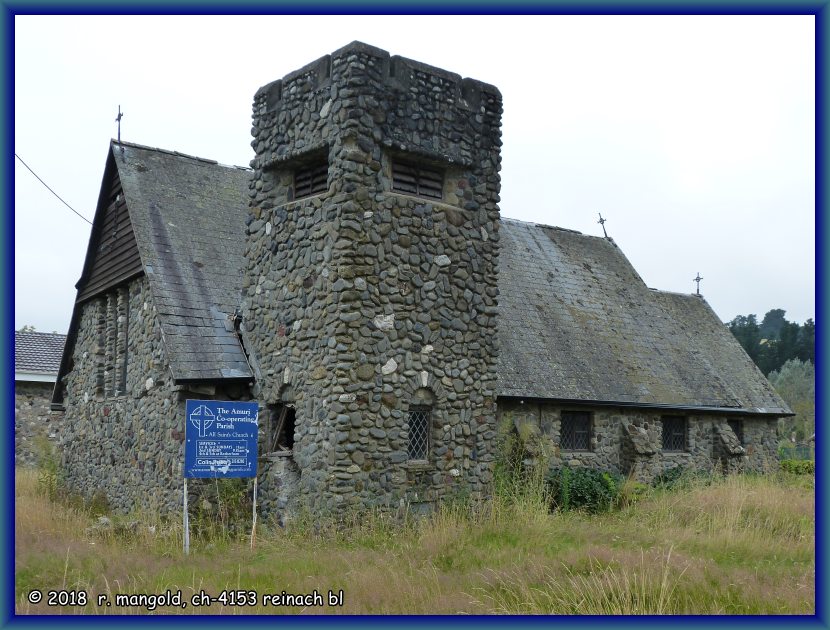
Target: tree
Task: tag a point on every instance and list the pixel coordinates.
(787, 345)
(27, 328)
(767, 358)
(775, 341)
(795, 382)
(772, 323)
(806, 345)
(746, 331)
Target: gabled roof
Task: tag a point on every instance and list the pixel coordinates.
(189, 215)
(576, 322)
(37, 353)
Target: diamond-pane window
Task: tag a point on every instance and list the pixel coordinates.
(674, 433)
(417, 180)
(575, 431)
(418, 420)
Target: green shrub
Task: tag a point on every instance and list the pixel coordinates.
(669, 479)
(583, 488)
(679, 478)
(799, 466)
(220, 509)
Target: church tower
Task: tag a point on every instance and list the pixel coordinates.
(371, 285)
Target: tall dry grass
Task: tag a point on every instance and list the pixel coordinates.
(647, 587)
(738, 545)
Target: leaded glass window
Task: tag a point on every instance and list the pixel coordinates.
(575, 431)
(419, 421)
(674, 433)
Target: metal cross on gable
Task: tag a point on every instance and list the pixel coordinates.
(118, 120)
(697, 279)
(602, 223)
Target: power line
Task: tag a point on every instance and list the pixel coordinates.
(50, 190)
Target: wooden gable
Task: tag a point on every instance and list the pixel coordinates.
(113, 256)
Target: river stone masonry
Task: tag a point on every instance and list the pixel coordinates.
(128, 446)
(366, 301)
(629, 441)
(35, 427)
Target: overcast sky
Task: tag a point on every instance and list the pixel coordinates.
(694, 136)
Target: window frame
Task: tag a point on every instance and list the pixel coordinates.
(737, 426)
(112, 329)
(427, 431)
(122, 355)
(274, 429)
(316, 173)
(674, 420)
(577, 417)
(420, 184)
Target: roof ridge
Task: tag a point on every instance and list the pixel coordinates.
(39, 332)
(145, 147)
(544, 225)
(678, 293)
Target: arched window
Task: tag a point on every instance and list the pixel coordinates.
(419, 424)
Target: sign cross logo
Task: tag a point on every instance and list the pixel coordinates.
(202, 418)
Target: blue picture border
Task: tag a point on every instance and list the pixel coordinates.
(8, 9)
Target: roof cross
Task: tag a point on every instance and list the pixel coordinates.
(602, 223)
(698, 279)
(118, 120)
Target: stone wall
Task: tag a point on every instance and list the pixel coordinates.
(366, 301)
(127, 446)
(629, 441)
(34, 424)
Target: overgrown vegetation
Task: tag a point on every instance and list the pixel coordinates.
(799, 466)
(795, 382)
(734, 545)
(584, 488)
(785, 352)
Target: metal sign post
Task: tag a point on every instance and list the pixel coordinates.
(186, 522)
(220, 441)
(253, 521)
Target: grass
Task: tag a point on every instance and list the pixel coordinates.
(740, 545)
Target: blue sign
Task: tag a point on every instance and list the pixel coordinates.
(220, 438)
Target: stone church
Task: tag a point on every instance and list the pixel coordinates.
(360, 284)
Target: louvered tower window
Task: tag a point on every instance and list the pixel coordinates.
(311, 179)
(417, 180)
(674, 433)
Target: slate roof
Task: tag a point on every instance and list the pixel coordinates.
(37, 352)
(576, 322)
(189, 215)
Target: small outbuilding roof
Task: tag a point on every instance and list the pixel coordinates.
(37, 353)
(576, 322)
